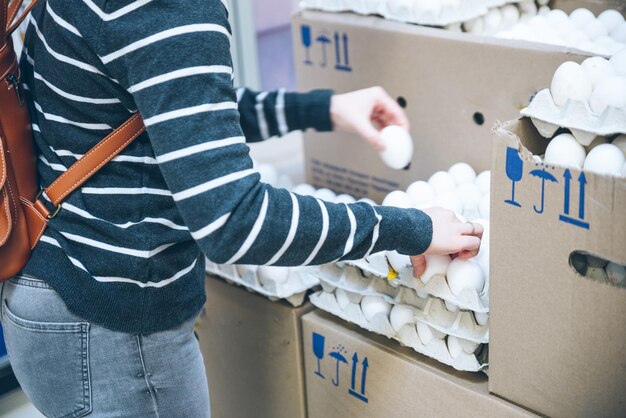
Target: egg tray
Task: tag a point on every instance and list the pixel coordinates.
(574, 115)
(294, 290)
(431, 311)
(468, 299)
(408, 335)
(465, 10)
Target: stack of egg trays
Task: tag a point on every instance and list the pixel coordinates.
(451, 13)
(574, 115)
(377, 265)
(434, 322)
(294, 290)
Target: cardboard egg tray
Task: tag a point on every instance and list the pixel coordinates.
(430, 310)
(410, 335)
(468, 299)
(574, 115)
(464, 10)
(293, 290)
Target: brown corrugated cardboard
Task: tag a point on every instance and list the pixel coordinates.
(450, 82)
(252, 354)
(596, 6)
(353, 373)
(558, 340)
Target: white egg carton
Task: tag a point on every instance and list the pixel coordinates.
(429, 310)
(468, 299)
(294, 290)
(436, 342)
(574, 115)
(449, 13)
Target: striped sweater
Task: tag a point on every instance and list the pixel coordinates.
(127, 250)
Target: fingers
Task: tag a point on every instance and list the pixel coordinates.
(419, 265)
(371, 135)
(391, 112)
(472, 228)
(469, 243)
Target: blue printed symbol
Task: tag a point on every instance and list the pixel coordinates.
(340, 359)
(543, 175)
(324, 40)
(514, 171)
(582, 181)
(305, 32)
(318, 350)
(342, 60)
(352, 391)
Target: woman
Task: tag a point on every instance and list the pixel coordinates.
(100, 320)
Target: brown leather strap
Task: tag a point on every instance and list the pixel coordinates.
(4, 10)
(98, 156)
(19, 20)
(13, 8)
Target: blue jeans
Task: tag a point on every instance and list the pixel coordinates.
(72, 368)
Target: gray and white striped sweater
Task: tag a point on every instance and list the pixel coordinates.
(127, 249)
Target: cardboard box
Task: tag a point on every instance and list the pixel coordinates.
(455, 86)
(252, 353)
(360, 374)
(558, 340)
(596, 6)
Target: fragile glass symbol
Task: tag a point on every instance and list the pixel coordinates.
(305, 32)
(514, 171)
(318, 350)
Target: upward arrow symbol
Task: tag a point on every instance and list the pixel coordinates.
(568, 177)
(355, 363)
(581, 205)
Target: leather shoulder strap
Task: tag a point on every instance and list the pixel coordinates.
(93, 160)
(12, 23)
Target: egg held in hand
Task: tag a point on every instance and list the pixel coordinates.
(398, 147)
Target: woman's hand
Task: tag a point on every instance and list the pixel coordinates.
(365, 112)
(450, 236)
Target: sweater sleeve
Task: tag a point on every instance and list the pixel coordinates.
(268, 114)
(174, 58)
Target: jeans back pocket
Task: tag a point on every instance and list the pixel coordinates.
(51, 362)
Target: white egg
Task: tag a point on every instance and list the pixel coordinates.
(424, 332)
(543, 11)
(610, 92)
(427, 8)
(596, 262)
(510, 16)
(452, 307)
(570, 83)
(442, 182)
(304, 189)
(580, 17)
(482, 318)
(469, 194)
(345, 198)
(268, 174)
(435, 265)
(325, 194)
(483, 181)
(483, 254)
(449, 200)
(399, 199)
(420, 192)
(246, 270)
(484, 207)
(456, 346)
(616, 274)
(598, 141)
(400, 316)
(374, 305)
(398, 261)
(368, 201)
(611, 19)
(401, 9)
(595, 29)
(465, 274)
(597, 69)
(619, 33)
(462, 173)
(492, 20)
(475, 26)
(605, 159)
(564, 150)
(528, 8)
(556, 17)
(618, 61)
(342, 298)
(620, 142)
(398, 147)
(269, 274)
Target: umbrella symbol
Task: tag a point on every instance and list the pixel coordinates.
(340, 359)
(543, 175)
(324, 40)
